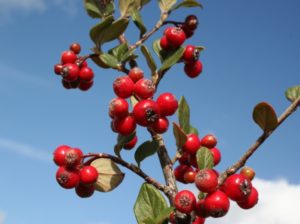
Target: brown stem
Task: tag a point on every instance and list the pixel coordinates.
(242, 161)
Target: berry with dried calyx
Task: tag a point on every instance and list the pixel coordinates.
(190, 54)
(118, 108)
(175, 36)
(237, 187)
(136, 74)
(73, 158)
(206, 180)
(66, 178)
(193, 70)
(123, 86)
(146, 112)
(216, 204)
(144, 89)
(185, 201)
(251, 201)
(70, 72)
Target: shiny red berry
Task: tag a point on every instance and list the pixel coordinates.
(200, 210)
(179, 172)
(193, 70)
(185, 158)
(167, 104)
(146, 112)
(191, 22)
(66, 84)
(88, 175)
(192, 144)
(189, 176)
(216, 204)
(199, 220)
(136, 74)
(68, 57)
(251, 201)
(160, 126)
(164, 44)
(217, 155)
(58, 69)
(84, 86)
(70, 72)
(118, 108)
(237, 187)
(59, 155)
(190, 54)
(86, 74)
(175, 36)
(125, 125)
(123, 86)
(75, 47)
(66, 178)
(188, 33)
(85, 191)
(144, 89)
(73, 158)
(185, 201)
(206, 180)
(131, 144)
(209, 141)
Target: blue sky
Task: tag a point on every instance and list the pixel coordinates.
(252, 55)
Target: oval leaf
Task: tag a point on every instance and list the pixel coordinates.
(92, 8)
(109, 60)
(265, 116)
(179, 135)
(126, 7)
(293, 93)
(149, 58)
(97, 31)
(164, 215)
(205, 158)
(187, 3)
(113, 31)
(145, 150)
(184, 115)
(149, 204)
(110, 176)
(193, 130)
(172, 59)
(138, 21)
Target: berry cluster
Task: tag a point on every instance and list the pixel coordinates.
(146, 112)
(74, 69)
(214, 199)
(72, 173)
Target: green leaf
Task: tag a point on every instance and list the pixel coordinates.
(138, 21)
(113, 31)
(145, 150)
(157, 49)
(149, 58)
(193, 130)
(97, 32)
(264, 115)
(184, 115)
(165, 5)
(179, 135)
(149, 203)
(121, 141)
(99, 9)
(293, 93)
(109, 60)
(149, 221)
(205, 158)
(164, 215)
(129, 55)
(172, 59)
(187, 3)
(126, 7)
(119, 51)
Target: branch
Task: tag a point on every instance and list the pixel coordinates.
(242, 161)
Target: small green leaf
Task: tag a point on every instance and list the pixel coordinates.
(109, 60)
(179, 135)
(119, 51)
(264, 115)
(145, 150)
(165, 5)
(149, 220)
(157, 49)
(293, 93)
(113, 31)
(205, 158)
(97, 32)
(194, 130)
(138, 21)
(149, 204)
(164, 215)
(184, 115)
(99, 9)
(171, 59)
(187, 3)
(149, 58)
(129, 55)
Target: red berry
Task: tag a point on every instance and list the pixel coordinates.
(164, 44)
(118, 108)
(193, 69)
(189, 177)
(85, 191)
(251, 201)
(172, 218)
(68, 57)
(144, 89)
(192, 144)
(185, 158)
(175, 36)
(248, 172)
(185, 201)
(199, 220)
(75, 47)
(160, 126)
(123, 86)
(73, 158)
(59, 155)
(58, 69)
(81, 62)
(70, 72)
(136, 74)
(168, 29)
(179, 172)
(66, 178)
(191, 22)
(66, 84)
(187, 31)
(86, 74)
(206, 180)
(146, 112)
(209, 141)
(125, 125)
(191, 54)
(216, 204)
(74, 84)
(193, 160)
(237, 187)
(84, 86)
(130, 145)
(167, 104)
(200, 210)
(217, 155)
(88, 175)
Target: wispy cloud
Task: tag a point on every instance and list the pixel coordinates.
(24, 150)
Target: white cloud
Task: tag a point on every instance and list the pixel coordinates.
(24, 150)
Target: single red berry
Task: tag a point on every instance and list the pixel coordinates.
(123, 86)
(88, 175)
(85, 191)
(189, 177)
(125, 125)
(185, 201)
(237, 187)
(84, 86)
(86, 74)
(146, 112)
(193, 160)
(179, 172)
(216, 204)
(130, 145)
(75, 47)
(118, 108)
(74, 84)
(192, 144)
(175, 36)
(70, 72)
(73, 158)
(190, 54)
(206, 180)
(185, 158)
(164, 44)
(216, 154)
(66, 84)
(209, 141)
(248, 172)
(144, 89)
(191, 22)
(199, 220)
(251, 201)
(167, 104)
(193, 69)
(136, 74)
(68, 57)
(168, 29)
(66, 178)
(59, 155)
(200, 210)
(160, 126)
(58, 69)
(188, 33)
